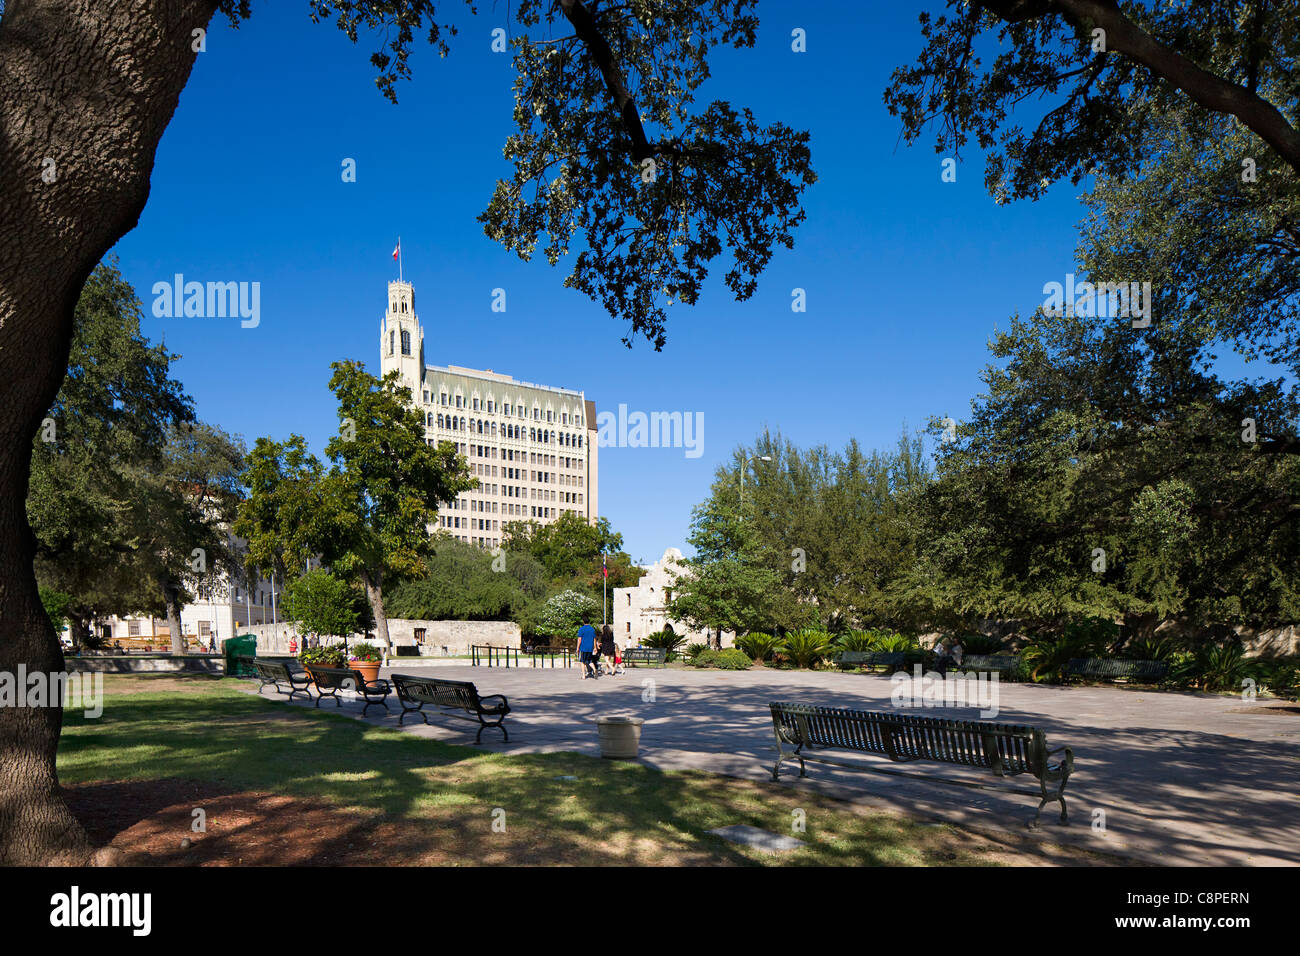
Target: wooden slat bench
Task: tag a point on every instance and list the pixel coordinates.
(451, 696)
(1002, 663)
(276, 673)
(330, 680)
(645, 655)
(1096, 668)
(870, 660)
(1003, 749)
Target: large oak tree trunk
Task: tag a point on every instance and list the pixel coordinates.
(86, 90)
(375, 595)
(172, 598)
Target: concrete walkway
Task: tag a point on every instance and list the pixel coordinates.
(1191, 779)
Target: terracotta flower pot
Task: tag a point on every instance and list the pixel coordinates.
(367, 669)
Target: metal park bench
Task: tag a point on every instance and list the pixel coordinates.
(1095, 668)
(276, 673)
(1004, 749)
(330, 680)
(869, 660)
(1002, 663)
(645, 655)
(451, 696)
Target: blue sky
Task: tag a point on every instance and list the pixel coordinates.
(906, 276)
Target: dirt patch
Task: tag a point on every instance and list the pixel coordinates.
(149, 821)
(1271, 709)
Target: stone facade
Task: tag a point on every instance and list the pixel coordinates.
(439, 638)
(642, 610)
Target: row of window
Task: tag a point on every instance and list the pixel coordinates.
(456, 523)
(493, 407)
(477, 426)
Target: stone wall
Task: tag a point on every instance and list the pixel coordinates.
(131, 664)
(441, 638)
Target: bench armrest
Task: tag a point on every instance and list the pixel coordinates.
(500, 697)
(377, 684)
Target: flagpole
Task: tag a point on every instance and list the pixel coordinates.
(399, 258)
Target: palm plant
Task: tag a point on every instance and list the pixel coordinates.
(759, 646)
(1218, 666)
(1151, 649)
(892, 643)
(806, 647)
(855, 641)
(1047, 657)
(668, 640)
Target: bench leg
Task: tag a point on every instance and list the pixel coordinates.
(1058, 796)
(413, 710)
(484, 725)
(782, 756)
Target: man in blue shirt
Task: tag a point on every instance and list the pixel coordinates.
(586, 647)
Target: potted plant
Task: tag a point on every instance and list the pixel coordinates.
(365, 660)
(331, 656)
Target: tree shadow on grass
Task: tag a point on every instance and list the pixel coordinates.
(413, 799)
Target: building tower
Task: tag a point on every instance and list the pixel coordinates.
(401, 338)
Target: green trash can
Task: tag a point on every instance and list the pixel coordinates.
(243, 646)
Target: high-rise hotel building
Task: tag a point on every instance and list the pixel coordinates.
(532, 447)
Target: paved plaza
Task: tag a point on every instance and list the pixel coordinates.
(1182, 778)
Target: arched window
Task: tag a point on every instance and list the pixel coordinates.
(406, 342)
(392, 342)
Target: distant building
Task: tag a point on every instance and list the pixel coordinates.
(643, 610)
(232, 605)
(532, 447)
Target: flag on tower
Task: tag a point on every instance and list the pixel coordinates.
(397, 250)
(604, 568)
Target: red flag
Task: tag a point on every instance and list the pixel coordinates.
(604, 568)
(398, 250)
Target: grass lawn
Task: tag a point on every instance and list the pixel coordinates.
(288, 785)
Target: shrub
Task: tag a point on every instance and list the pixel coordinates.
(1218, 667)
(695, 650)
(366, 652)
(732, 659)
(1280, 676)
(325, 656)
(758, 646)
(807, 647)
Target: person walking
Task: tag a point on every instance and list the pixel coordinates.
(587, 647)
(607, 648)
